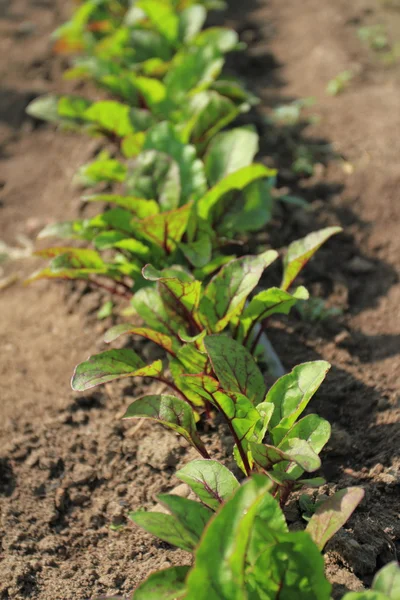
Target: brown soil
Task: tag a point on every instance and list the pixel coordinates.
(68, 466)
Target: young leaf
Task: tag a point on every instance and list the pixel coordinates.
(333, 514)
(103, 169)
(290, 567)
(265, 304)
(148, 304)
(234, 181)
(226, 294)
(387, 581)
(111, 116)
(167, 527)
(163, 17)
(193, 69)
(210, 481)
(235, 368)
(300, 252)
(140, 207)
(191, 514)
(171, 412)
(291, 394)
(219, 568)
(314, 430)
(111, 365)
(191, 21)
(180, 296)
(75, 258)
(230, 151)
(165, 229)
(164, 138)
(161, 339)
(167, 584)
(298, 451)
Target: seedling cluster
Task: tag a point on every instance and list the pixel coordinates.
(184, 192)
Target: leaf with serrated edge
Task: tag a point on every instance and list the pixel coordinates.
(300, 252)
(235, 368)
(225, 295)
(167, 584)
(333, 514)
(210, 481)
(111, 365)
(291, 394)
(171, 412)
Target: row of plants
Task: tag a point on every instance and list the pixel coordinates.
(182, 198)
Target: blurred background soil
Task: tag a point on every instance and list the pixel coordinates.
(69, 468)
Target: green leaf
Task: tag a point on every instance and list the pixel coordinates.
(210, 481)
(234, 181)
(171, 412)
(298, 451)
(73, 107)
(219, 567)
(166, 229)
(190, 513)
(111, 365)
(106, 310)
(162, 340)
(167, 584)
(155, 175)
(219, 37)
(76, 258)
(167, 527)
(191, 21)
(230, 151)
(140, 207)
(198, 253)
(290, 567)
(387, 581)
(251, 210)
(114, 218)
(73, 230)
(226, 294)
(265, 304)
(44, 108)
(333, 514)
(193, 69)
(181, 297)
(292, 393)
(235, 368)
(111, 116)
(164, 138)
(148, 304)
(300, 252)
(163, 17)
(102, 170)
(207, 113)
(314, 430)
(270, 521)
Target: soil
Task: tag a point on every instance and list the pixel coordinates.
(69, 467)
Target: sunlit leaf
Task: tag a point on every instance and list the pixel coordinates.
(300, 252)
(172, 412)
(167, 584)
(333, 514)
(210, 481)
(111, 365)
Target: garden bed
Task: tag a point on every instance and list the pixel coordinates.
(69, 467)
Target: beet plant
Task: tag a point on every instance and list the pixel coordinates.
(182, 196)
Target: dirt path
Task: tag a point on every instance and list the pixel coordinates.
(68, 466)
